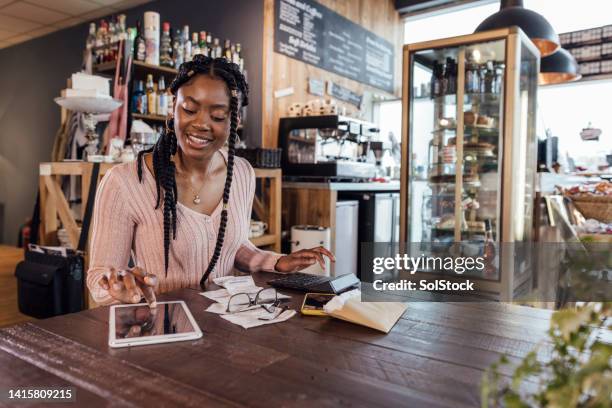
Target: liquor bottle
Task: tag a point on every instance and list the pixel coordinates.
(209, 44)
(121, 28)
(227, 52)
(451, 76)
(217, 50)
(239, 56)
(112, 40)
(435, 80)
(151, 103)
(165, 47)
(482, 72)
(181, 45)
(90, 42)
(129, 43)
(139, 44)
(162, 97)
(104, 51)
(99, 52)
(139, 100)
(177, 49)
(186, 44)
(233, 54)
(499, 77)
(469, 78)
(443, 78)
(195, 45)
(170, 100)
(203, 45)
(475, 78)
(489, 78)
(472, 78)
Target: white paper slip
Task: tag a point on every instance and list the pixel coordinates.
(251, 318)
(237, 284)
(221, 281)
(255, 315)
(219, 308)
(215, 294)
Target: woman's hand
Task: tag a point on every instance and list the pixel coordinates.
(302, 259)
(130, 285)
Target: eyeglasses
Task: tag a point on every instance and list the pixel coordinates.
(267, 298)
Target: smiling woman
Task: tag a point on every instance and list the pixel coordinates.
(182, 195)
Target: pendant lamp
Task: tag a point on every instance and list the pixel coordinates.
(537, 28)
(558, 68)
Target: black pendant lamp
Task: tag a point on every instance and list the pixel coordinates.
(558, 68)
(537, 28)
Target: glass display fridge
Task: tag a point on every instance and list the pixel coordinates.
(469, 148)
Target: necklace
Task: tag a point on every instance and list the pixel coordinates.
(196, 194)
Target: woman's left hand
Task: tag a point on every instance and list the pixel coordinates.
(302, 259)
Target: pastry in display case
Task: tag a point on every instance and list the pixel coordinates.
(473, 131)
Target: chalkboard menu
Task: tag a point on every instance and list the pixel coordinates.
(307, 31)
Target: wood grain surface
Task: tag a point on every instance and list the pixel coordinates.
(9, 312)
(435, 356)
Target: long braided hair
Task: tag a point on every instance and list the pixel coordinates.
(166, 147)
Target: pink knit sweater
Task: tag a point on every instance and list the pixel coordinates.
(126, 222)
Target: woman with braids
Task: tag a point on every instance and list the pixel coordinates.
(183, 208)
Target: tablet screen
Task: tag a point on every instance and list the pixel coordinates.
(140, 321)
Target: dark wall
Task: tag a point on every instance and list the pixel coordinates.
(33, 73)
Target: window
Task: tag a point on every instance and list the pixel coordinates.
(565, 109)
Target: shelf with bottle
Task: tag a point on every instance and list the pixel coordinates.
(139, 66)
(150, 99)
(146, 117)
(155, 117)
(469, 99)
(480, 77)
(164, 54)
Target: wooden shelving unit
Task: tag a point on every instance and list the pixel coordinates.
(264, 240)
(55, 208)
(109, 67)
(141, 68)
(153, 118)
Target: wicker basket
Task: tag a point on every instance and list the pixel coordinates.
(592, 206)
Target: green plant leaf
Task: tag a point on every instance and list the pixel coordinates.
(568, 321)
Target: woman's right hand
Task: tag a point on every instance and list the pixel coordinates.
(130, 285)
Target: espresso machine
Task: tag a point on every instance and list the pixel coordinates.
(330, 147)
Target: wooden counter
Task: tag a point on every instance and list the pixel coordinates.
(369, 186)
(308, 203)
(435, 356)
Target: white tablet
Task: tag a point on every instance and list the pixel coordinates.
(138, 324)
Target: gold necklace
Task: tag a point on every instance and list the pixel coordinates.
(196, 194)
